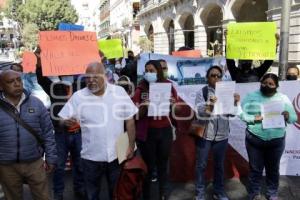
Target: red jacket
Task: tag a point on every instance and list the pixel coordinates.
(145, 122)
(131, 179)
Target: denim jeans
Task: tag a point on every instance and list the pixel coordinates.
(65, 143)
(92, 175)
(202, 151)
(156, 151)
(264, 154)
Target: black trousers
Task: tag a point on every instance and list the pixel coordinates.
(156, 151)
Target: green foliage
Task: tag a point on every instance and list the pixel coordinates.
(30, 35)
(12, 7)
(145, 44)
(46, 14)
(39, 15)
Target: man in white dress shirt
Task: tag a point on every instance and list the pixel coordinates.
(102, 109)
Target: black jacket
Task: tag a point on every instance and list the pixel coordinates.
(253, 75)
(58, 93)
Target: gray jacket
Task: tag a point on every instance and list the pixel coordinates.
(16, 143)
(217, 126)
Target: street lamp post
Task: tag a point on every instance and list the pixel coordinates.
(284, 35)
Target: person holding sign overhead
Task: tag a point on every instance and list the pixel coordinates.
(245, 73)
(266, 113)
(215, 135)
(154, 129)
(67, 135)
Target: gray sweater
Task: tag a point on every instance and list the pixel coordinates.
(217, 126)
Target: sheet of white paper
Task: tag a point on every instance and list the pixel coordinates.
(122, 145)
(225, 100)
(159, 97)
(272, 117)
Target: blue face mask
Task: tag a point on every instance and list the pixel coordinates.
(150, 77)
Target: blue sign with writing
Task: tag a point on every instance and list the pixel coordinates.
(70, 27)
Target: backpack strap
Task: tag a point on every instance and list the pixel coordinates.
(20, 121)
(205, 92)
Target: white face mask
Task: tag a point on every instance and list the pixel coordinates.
(150, 77)
(118, 66)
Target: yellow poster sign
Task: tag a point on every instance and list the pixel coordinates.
(111, 48)
(251, 41)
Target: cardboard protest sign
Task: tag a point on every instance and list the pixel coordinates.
(29, 62)
(187, 54)
(67, 53)
(251, 41)
(70, 27)
(111, 48)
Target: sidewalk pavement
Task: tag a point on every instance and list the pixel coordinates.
(289, 189)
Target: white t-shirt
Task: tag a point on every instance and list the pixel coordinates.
(101, 120)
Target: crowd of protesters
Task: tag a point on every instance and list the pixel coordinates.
(89, 112)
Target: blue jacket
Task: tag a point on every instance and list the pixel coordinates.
(16, 143)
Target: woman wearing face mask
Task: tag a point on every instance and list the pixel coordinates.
(265, 146)
(154, 134)
(292, 73)
(215, 136)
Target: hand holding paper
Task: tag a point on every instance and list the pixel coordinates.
(159, 96)
(225, 95)
(272, 115)
(123, 149)
(286, 115)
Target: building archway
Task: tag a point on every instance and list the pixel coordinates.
(187, 25)
(170, 31)
(250, 10)
(189, 38)
(212, 18)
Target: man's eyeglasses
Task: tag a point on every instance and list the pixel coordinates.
(215, 76)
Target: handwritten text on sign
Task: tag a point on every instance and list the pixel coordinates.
(67, 53)
(251, 41)
(111, 48)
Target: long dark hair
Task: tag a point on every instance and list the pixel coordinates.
(157, 65)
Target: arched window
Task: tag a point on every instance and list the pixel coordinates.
(189, 32)
(250, 11)
(213, 17)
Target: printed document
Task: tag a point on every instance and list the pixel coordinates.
(159, 97)
(225, 98)
(272, 117)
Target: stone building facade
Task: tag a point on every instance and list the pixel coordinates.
(124, 23)
(104, 19)
(200, 24)
(88, 14)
